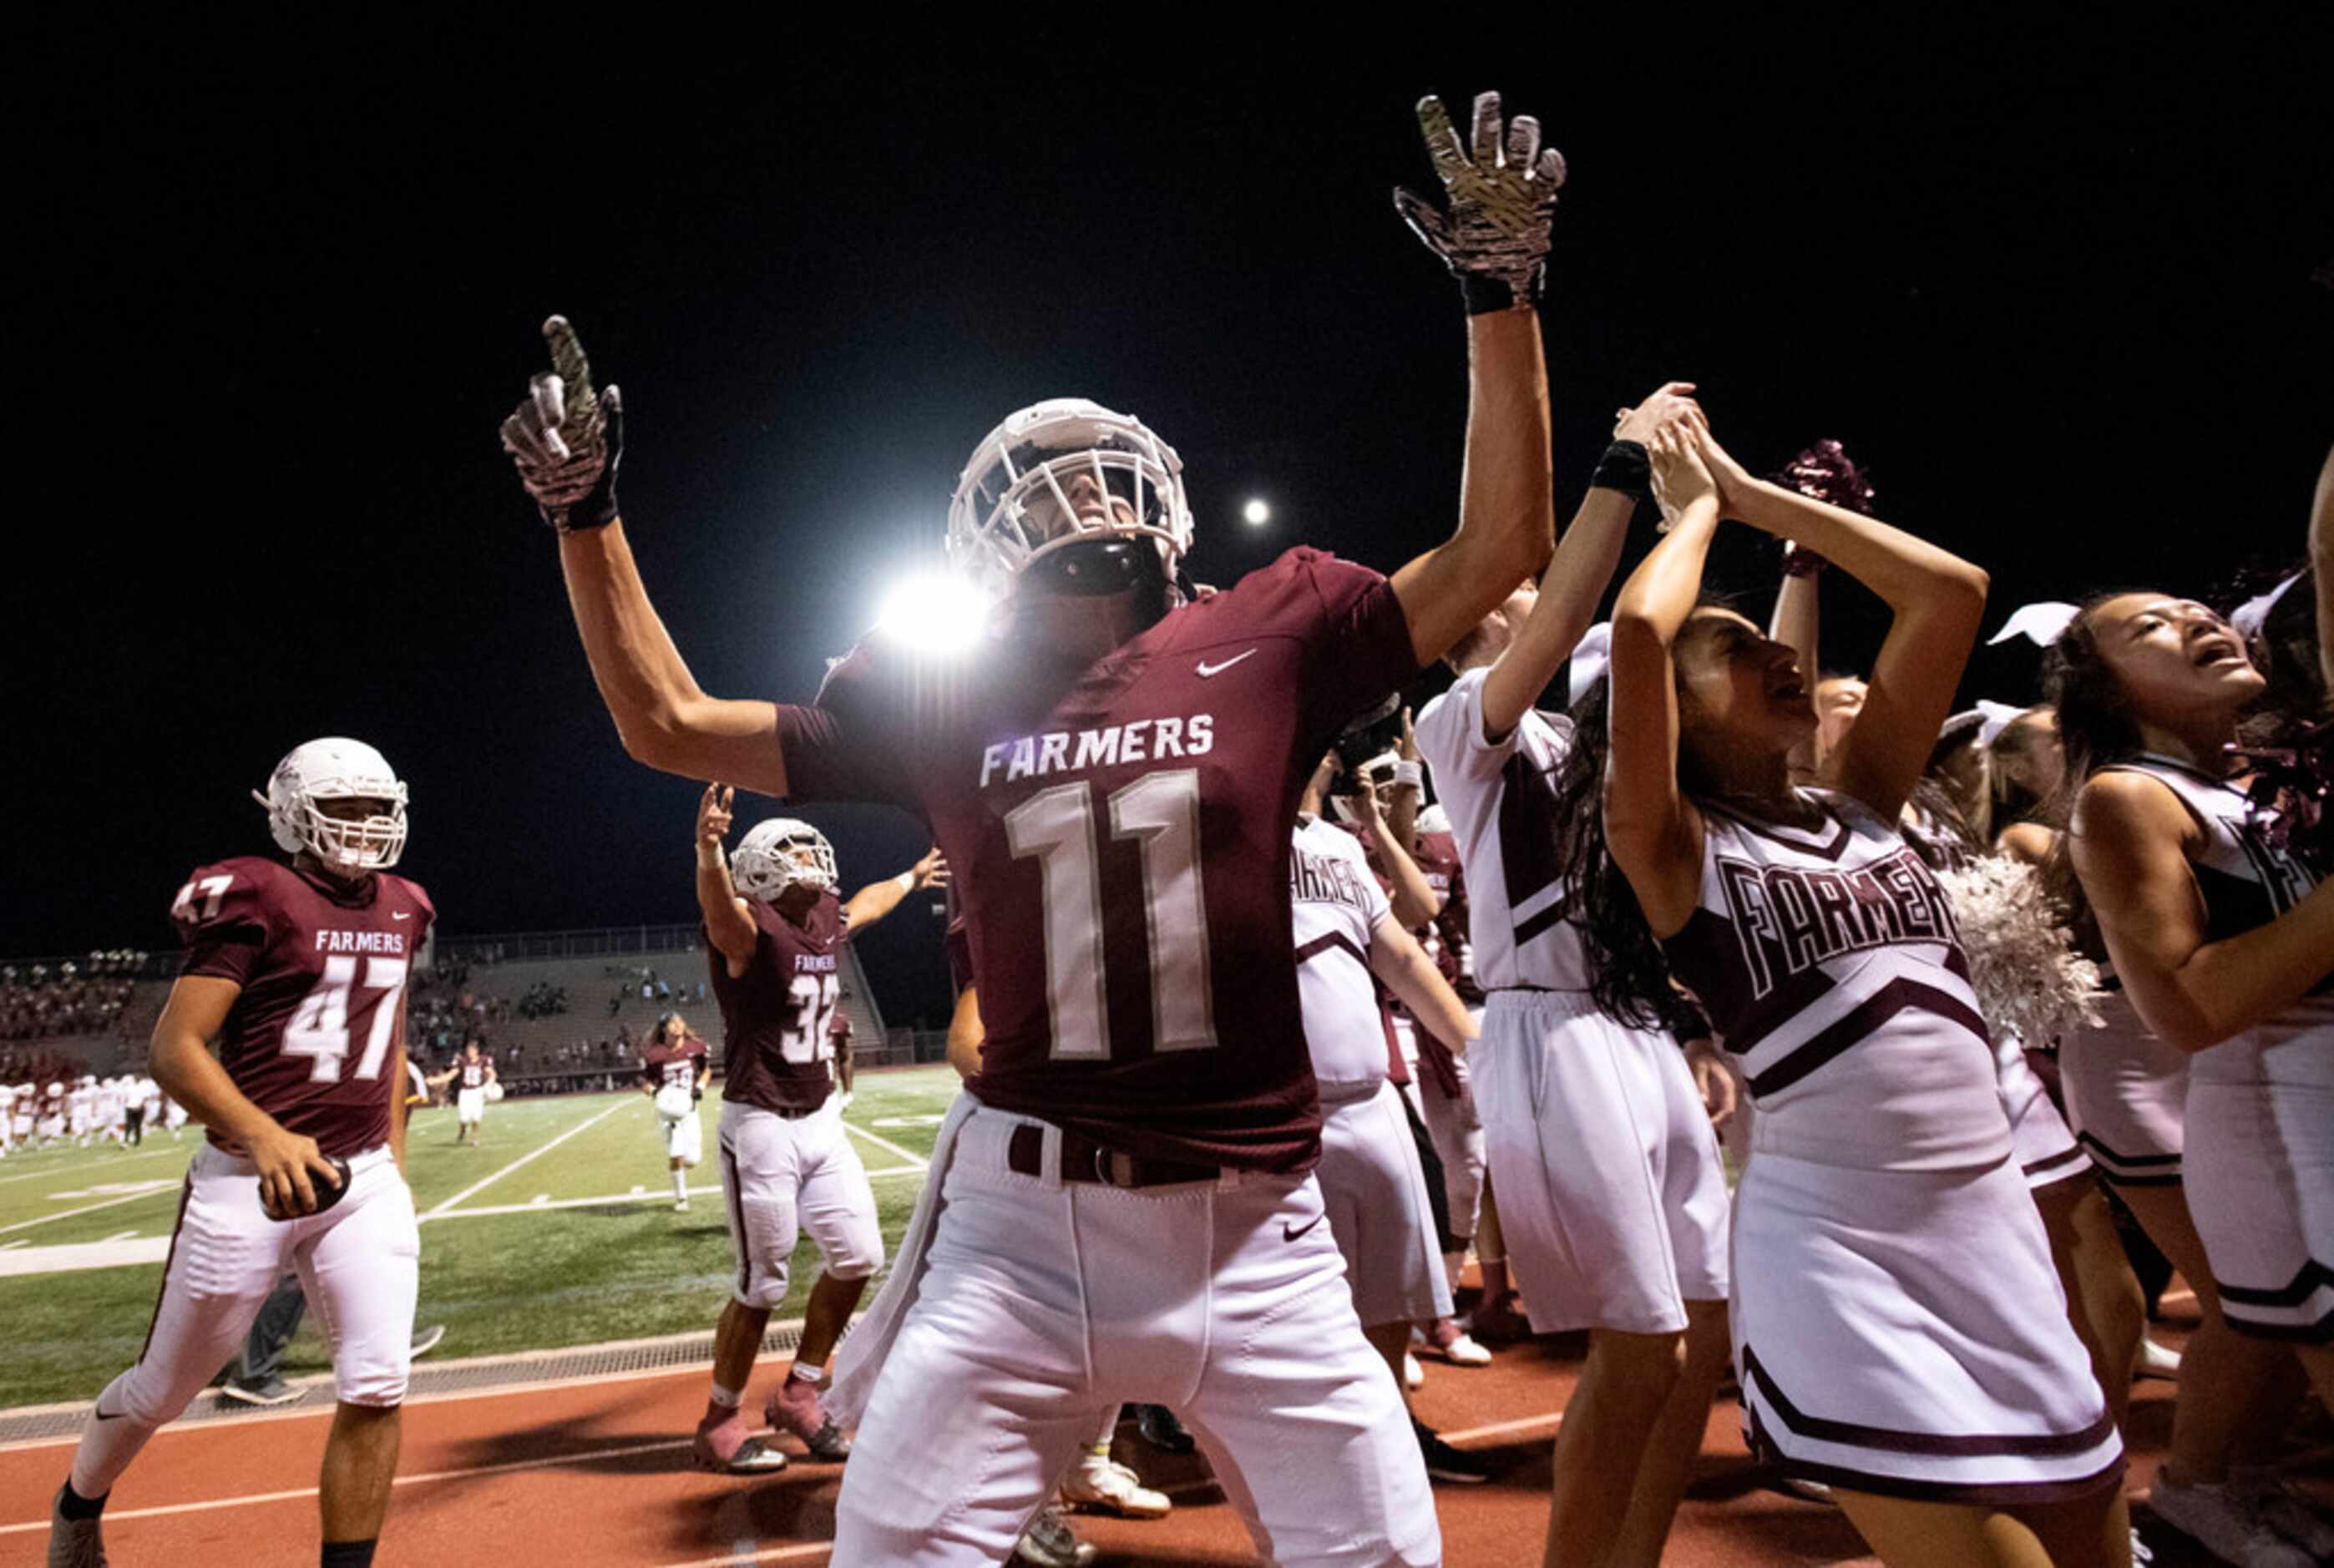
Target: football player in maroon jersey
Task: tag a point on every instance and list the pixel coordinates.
(775, 930)
(298, 971)
(674, 1071)
(1113, 771)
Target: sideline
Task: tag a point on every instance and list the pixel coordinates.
(537, 1153)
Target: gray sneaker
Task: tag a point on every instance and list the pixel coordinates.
(267, 1391)
(1050, 1543)
(74, 1542)
(2225, 1522)
(2287, 1514)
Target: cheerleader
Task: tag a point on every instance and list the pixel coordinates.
(2222, 935)
(1886, 1255)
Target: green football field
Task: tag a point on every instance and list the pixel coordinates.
(558, 1230)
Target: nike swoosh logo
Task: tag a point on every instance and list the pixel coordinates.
(1288, 1235)
(107, 1415)
(1206, 670)
(400, 915)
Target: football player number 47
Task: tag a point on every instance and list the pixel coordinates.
(1160, 812)
(319, 1029)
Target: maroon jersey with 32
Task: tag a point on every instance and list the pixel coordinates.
(675, 1064)
(1120, 833)
(775, 1016)
(323, 970)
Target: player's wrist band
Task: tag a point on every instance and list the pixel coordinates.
(1798, 561)
(1487, 293)
(1626, 467)
(1408, 774)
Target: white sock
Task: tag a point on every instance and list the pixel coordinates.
(728, 1399)
(681, 1186)
(814, 1376)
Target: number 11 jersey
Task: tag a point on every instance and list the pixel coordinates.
(323, 966)
(1119, 833)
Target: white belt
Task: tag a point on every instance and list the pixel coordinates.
(358, 1163)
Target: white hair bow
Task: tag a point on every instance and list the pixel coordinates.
(2253, 614)
(2041, 624)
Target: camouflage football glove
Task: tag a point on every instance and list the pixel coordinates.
(1495, 236)
(565, 439)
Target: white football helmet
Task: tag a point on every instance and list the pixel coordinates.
(777, 854)
(1012, 503)
(335, 768)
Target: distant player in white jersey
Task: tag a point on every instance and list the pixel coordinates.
(1372, 1185)
(80, 1111)
(1889, 1259)
(7, 1118)
(1611, 1192)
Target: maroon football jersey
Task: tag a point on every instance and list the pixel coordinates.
(474, 1073)
(675, 1064)
(323, 970)
(1119, 835)
(775, 1016)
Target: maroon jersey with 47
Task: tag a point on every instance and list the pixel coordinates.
(310, 1037)
(1120, 833)
(775, 1016)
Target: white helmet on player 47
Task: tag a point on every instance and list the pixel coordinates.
(778, 855)
(336, 769)
(1013, 501)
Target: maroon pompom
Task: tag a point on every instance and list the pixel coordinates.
(1825, 473)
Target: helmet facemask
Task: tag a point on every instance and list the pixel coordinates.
(336, 770)
(780, 854)
(1018, 500)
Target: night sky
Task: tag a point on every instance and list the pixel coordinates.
(279, 290)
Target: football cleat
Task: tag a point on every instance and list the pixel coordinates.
(336, 769)
(795, 1407)
(74, 1542)
(726, 1447)
(1108, 1486)
(1162, 1430)
(779, 853)
(1048, 1542)
(1445, 1462)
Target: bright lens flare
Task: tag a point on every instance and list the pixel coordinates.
(1257, 514)
(936, 612)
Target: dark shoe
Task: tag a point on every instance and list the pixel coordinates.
(1445, 1462)
(74, 1542)
(267, 1391)
(1162, 1430)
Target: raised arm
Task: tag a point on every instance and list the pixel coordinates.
(1397, 959)
(1796, 623)
(1578, 575)
(1493, 235)
(567, 442)
(727, 921)
(1407, 889)
(1652, 830)
(877, 900)
(2128, 847)
(2321, 561)
(1936, 599)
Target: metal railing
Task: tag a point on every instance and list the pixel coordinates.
(600, 942)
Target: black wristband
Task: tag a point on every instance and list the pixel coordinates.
(1488, 293)
(1798, 561)
(1625, 467)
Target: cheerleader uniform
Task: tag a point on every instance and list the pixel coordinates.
(2126, 1095)
(2259, 1160)
(1887, 1260)
(1612, 1193)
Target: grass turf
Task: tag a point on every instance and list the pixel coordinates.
(540, 1278)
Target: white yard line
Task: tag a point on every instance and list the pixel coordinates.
(85, 1208)
(1506, 1428)
(800, 1553)
(589, 1456)
(886, 1144)
(477, 1187)
(76, 1170)
(637, 1195)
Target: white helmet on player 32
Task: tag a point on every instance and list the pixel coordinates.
(1013, 501)
(778, 855)
(334, 769)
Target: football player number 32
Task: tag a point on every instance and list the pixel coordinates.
(1160, 812)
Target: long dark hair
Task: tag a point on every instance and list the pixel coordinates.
(1627, 974)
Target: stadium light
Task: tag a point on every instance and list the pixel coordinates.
(937, 612)
(1257, 514)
